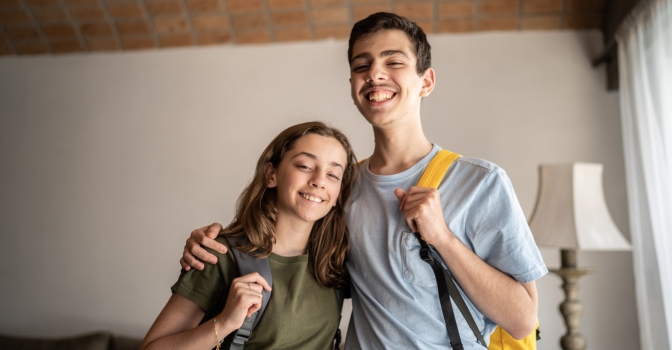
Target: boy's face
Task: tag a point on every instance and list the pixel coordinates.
(384, 82)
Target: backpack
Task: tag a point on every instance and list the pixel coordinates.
(247, 264)
(500, 339)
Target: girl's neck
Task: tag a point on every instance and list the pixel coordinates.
(291, 236)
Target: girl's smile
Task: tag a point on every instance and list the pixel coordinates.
(308, 179)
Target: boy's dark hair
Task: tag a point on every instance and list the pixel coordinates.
(385, 20)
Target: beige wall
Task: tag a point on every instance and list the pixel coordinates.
(108, 161)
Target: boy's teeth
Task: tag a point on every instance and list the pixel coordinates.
(311, 198)
(379, 96)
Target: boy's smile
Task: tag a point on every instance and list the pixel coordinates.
(385, 85)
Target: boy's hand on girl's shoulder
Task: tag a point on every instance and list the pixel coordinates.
(423, 213)
(194, 252)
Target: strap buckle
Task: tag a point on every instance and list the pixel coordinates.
(425, 253)
(242, 337)
(337, 339)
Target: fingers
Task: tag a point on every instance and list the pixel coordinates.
(191, 260)
(205, 236)
(184, 265)
(249, 294)
(213, 230)
(410, 221)
(400, 194)
(413, 194)
(196, 250)
(255, 278)
(420, 195)
(256, 306)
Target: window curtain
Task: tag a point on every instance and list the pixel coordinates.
(645, 74)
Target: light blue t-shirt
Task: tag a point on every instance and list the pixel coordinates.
(394, 293)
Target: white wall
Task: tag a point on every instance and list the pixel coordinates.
(108, 161)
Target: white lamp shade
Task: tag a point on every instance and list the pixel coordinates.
(571, 212)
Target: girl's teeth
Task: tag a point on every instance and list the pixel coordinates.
(311, 198)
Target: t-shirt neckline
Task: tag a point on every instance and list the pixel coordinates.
(288, 259)
(404, 174)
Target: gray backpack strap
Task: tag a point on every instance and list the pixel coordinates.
(248, 264)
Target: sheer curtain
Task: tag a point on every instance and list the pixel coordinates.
(645, 70)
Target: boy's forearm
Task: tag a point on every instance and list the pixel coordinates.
(505, 301)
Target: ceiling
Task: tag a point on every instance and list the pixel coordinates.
(34, 27)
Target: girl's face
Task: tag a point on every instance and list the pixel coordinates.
(308, 179)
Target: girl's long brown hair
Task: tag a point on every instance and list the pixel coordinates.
(256, 211)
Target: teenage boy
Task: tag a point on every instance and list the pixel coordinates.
(473, 221)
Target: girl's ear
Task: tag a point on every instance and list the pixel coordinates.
(270, 175)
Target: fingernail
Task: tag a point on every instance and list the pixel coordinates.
(201, 266)
(223, 250)
(213, 261)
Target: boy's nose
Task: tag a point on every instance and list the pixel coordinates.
(376, 73)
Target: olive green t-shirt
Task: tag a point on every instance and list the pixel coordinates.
(300, 314)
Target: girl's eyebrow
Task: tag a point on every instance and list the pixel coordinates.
(314, 157)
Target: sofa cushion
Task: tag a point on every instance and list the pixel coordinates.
(123, 343)
(96, 341)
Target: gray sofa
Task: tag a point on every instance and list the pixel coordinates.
(94, 341)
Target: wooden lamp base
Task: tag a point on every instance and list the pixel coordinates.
(571, 308)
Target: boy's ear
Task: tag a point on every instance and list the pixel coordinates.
(428, 81)
(270, 176)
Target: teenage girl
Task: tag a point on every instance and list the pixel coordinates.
(293, 213)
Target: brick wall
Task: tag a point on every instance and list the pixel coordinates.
(31, 27)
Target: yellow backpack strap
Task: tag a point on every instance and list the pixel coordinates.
(437, 168)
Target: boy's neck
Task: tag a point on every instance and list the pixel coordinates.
(398, 147)
(291, 237)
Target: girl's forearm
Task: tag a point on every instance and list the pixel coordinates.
(202, 337)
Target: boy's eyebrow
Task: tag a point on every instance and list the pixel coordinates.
(365, 55)
(393, 52)
(386, 53)
(312, 156)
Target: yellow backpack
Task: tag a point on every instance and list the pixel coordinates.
(500, 339)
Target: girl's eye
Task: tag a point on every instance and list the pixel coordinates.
(334, 176)
(303, 167)
(360, 68)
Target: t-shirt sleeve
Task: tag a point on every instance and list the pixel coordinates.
(499, 231)
(209, 288)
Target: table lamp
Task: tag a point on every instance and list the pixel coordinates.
(571, 214)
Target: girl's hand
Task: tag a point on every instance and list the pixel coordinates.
(244, 300)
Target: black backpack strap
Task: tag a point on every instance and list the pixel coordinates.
(448, 290)
(342, 294)
(248, 264)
